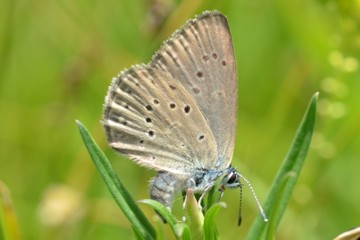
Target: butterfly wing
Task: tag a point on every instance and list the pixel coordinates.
(201, 56)
(151, 118)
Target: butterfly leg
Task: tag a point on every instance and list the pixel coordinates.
(206, 190)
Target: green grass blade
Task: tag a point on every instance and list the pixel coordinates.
(165, 213)
(283, 185)
(136, 233)
(210, 229)
(160, 208)
(140, 223)
(277, 205)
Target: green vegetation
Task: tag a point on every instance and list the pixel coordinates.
(57, 59)
(205, 228)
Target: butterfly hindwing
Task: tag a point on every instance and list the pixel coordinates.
(152, 119)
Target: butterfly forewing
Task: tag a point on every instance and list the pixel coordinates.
(150, 117)
(178, 113)
(201, 56)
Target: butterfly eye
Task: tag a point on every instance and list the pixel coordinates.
(233, 178)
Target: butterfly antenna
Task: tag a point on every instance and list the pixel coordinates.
(240, 206)
(256, 199)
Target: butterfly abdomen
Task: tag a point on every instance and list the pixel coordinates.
(164, 187)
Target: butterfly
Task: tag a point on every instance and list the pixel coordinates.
(178, 113)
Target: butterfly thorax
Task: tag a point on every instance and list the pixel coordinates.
(166, 185)
(203, 178)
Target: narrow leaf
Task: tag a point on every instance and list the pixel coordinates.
(211, 232)
(283, 186)
(160, 208)
(164, 212)
(277, 206)
(140, 223)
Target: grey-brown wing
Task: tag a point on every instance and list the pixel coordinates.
(201, 56)
(150, 117)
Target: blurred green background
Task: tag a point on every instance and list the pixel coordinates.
(57, 59)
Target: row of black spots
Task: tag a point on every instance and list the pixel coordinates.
(172, 105)
(150, 108)
(186, 109)
(206, 58)
(223, 62)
